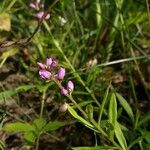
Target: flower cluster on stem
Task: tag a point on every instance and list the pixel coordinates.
(51, 71)
(39, 7)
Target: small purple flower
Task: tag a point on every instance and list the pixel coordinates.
(41, 66)
(49, 62)
(61, 73)
(53, 65)
(64, 91)
(44, 74)
(70, 86)
(40, 15)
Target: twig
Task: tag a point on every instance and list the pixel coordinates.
(25, 41)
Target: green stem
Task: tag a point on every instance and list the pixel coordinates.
(42, 103)
(71, 99)
(71, 66)
(37, 143)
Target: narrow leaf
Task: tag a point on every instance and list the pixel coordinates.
(52, 126)
(120, 137)
(126, 106)
(75, 115)
(113, 110)
(144, 119)
(7, 94)
(93, 148)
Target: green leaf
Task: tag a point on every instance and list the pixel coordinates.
(75, 115)
(120, 137)
(113, 110)
(18, 127)
(89, 110)
(30, 137)
(147, 136)
(93, 148)
(39, 124)
(103, 104)
(24, 88)
(52, 126)
(126, 106)
(7, 94)
(144, 119)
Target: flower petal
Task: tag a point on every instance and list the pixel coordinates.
(61, 73)
(44, 74)
(64, 91)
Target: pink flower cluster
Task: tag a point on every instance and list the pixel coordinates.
(38, 6)
(50, 70)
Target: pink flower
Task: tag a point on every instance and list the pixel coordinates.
(53, 65)
(41, 66)
(70, 86)
(64, 91)
(40, 15)
(61, 73)
(49, 61)
(44, 74)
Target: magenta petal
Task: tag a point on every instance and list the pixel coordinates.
(44, 74)
(61, 73)
(41, 66)
(53, 65)
(63, 91)
(49, 62)
(70, 86)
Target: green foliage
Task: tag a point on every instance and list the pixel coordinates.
(34, 130)
(126, 106)
(94, 148)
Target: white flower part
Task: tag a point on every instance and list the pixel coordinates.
(40, 14)
(62, 21)
(32, 5)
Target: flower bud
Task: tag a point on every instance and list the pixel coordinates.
(40, 15)
(64, 91)
(44, 74)
(63, 107)
(70, 86)
(41, 66)
(32, 5)
(49, 62)
(61, 73)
